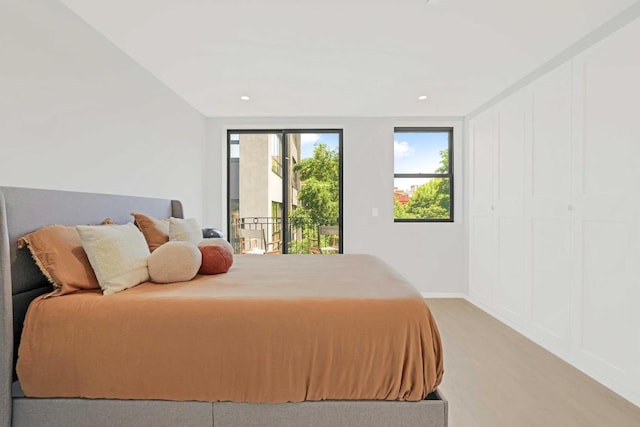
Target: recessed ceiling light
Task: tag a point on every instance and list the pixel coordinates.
(245, 97)
(422, 97)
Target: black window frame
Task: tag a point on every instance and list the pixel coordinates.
(449, 175)
(285, 177)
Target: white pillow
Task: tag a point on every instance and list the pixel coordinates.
(175, 262)
(185, 230)
(118, 255)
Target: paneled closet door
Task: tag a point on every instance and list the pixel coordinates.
(548, 209)
(482, 239)
(607, 208)
(511, 289)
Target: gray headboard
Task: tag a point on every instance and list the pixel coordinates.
(23, 210)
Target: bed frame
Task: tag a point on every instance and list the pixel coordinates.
(24, 210)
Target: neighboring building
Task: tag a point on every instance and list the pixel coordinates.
(256, 173)
(400, 196)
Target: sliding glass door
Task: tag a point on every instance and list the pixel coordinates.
(285, 191)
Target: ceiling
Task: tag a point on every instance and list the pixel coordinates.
(342, 57)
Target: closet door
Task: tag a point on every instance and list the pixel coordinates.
(549, 209)
(482, 238)
(608, 215)
(510, 291)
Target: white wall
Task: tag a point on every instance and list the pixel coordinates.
(554, 211)
(78, 114)
(430, 255)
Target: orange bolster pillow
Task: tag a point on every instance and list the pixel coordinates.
(215, 259)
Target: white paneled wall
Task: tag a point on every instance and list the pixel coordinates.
(508, 210)
(482, 235)
(554, 245)
(548, 208)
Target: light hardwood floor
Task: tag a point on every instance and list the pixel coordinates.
(495, 377)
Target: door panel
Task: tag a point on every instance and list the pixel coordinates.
(286, 184)
(550, 209)
(255, 191)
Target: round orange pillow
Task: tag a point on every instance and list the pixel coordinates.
(215, 259)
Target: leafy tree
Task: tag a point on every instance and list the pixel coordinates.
(430, 200)
(444, 162)
(318, 196)
(400, 210)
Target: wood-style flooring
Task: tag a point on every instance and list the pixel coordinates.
(496, 377)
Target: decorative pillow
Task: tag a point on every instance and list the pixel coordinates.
(185, 230)
(155, 231)
(216, 259)
(216, 241)
(118, 255)
(174, 262)
(57, 250)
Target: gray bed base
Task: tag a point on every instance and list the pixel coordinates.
(23, 210)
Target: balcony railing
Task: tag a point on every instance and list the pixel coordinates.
(301, 239)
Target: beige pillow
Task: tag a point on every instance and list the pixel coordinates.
(174, 262)
(185, 230)
(118, 255)
(155, 231)
(57, 250)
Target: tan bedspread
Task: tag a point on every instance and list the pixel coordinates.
(273, 329)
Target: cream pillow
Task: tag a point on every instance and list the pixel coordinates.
(174, 262)
(185, 230)
(118, 255)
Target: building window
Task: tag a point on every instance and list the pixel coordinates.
(423, 175)
(276, 154)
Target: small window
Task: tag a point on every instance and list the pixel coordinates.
(276, 154)
(423, 175)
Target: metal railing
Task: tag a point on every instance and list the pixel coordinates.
(302, 239)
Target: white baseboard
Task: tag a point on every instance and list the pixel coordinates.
(443, 295)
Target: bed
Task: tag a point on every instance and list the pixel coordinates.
(24, 210)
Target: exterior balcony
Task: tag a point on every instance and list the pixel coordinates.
(265, 235)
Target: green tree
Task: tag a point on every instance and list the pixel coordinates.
(430, 200)
(444, 162)
(318, 196)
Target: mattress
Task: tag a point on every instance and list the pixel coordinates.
(284, 328)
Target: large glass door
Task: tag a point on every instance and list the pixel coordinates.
(285, 191)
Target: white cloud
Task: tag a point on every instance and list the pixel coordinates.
(309, 138)
(402, 149)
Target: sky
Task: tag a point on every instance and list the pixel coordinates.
(417, 153)
(413, 152)
(308, 141)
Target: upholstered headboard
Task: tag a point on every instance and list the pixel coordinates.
(23, 210)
